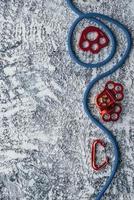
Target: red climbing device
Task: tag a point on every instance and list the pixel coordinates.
(93, 39)
(96, 166)
(109, 101)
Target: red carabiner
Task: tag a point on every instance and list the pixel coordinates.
(95, 166)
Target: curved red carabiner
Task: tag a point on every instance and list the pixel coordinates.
(95, 166)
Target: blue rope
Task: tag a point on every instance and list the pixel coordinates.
(108, 133)
(107, 30)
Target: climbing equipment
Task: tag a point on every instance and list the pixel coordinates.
(95, 44)
(95, 166)
(108, 101)
(107, 31)
(99, 19)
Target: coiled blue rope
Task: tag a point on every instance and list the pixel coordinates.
(107, 30)
(108, 133)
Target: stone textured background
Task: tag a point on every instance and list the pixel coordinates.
(45, 137)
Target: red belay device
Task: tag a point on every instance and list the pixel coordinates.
(109, 101)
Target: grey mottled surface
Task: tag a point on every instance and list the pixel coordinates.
(45, 136)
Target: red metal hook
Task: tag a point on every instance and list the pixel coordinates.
(95, 166)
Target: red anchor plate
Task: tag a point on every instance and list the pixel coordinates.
(109, 101)
(93, 39)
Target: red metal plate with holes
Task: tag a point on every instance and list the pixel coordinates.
(95, 44)
(109, 101)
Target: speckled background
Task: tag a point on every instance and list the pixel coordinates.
(45, 137)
